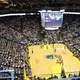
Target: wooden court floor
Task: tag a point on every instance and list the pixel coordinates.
(51, 58)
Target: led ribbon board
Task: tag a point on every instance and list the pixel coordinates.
(51, 20)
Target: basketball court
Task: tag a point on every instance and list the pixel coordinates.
(47, 59)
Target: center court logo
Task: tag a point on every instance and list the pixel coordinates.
(53, 56)
(58, 58)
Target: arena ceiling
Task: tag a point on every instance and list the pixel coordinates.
(3, 2)
(33, 5)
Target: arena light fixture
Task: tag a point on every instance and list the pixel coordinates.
(42, 11)
(77, 13)
(62, 10)
(12, 14)
(49, 28)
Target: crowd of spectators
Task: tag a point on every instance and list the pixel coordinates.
(16, 33)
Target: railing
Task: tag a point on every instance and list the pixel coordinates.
(57, 76)
(7, 74)
(73, 78)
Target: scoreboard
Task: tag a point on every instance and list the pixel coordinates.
(51, 20)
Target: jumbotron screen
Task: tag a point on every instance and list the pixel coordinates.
(51, 20)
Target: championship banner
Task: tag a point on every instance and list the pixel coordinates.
(51, 20)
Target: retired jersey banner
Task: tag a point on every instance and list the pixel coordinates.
(51, 19)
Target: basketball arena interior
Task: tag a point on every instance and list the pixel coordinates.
(39, 39)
